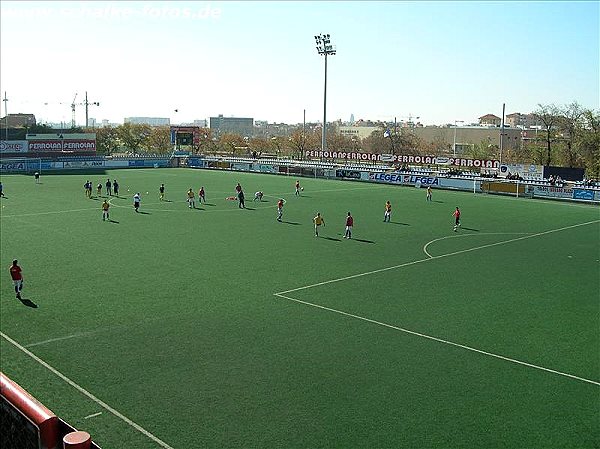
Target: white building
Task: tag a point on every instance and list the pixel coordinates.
(152, 121)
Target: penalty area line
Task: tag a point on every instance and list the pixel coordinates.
(439, 340)
(82, 390)
(454, 253)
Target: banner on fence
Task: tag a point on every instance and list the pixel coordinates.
(83, 164)
(62, 145)
(403, 159)
(12, 166)
(350, 174)
(583, 194)
(553, 192)
(525, 171)
(14, 146)
(264, 168)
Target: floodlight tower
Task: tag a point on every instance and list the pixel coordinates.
(325, 48)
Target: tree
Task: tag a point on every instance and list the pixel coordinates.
(549, 116)
(339, 142)
(158, 140)
(107, 140)
(301, 141)
(588, 142)
(133, 136)
(570, 123)
(231, 142)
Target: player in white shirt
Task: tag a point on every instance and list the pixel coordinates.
(137, 199)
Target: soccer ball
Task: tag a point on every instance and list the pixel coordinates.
(302, 188)
(146, 193)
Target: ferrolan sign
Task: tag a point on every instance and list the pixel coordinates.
(63, 145)
(404, 159)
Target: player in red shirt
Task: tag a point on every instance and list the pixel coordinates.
(456, 216)
(17, 277)
(279, 209)
(349, 224)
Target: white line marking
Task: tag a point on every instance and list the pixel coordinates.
(458, 345)
(88, 394)
(93, 415)
(67, 337)
(414, 262)
(47, 213)
(468, 235)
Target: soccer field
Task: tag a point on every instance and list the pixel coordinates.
(219, 327)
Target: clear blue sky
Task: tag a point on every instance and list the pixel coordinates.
(440, 61)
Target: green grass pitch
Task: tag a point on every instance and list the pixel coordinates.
(223, 328)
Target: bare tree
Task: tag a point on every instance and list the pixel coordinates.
(549, 116)
(570, 123)
(588, 142)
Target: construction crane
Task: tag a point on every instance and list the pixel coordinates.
(410, 118)
(87, 104)
(73, 111)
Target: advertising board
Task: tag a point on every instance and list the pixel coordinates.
(13, 146)
(553, 192)
(404, 159)
(62, 145)
(583, 194)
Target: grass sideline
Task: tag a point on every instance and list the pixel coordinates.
(180, 320)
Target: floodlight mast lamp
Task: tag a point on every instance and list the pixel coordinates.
(325, 48)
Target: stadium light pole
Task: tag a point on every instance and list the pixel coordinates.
(454, 144)
(325, 48)
(5, 100)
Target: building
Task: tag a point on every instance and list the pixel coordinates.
(152, 121)
(241, 126)
(358, 132)
(518, 120)
(17, 121)
(490, 120)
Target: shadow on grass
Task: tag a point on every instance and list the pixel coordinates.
(363, 240)
(290, 223)
(249, 208)
(398, 223)
(28, 303)
(331, 238)
(113, 221)
(144, 213)
(470, 229)
(437, 201)
(209, 204)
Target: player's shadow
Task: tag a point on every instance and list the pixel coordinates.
(470, 229)
(304, 196)
(290, 223)
(363, 240)
(209, 204)
(332, 238)
(167, 201)
(436, 201)
(144, 213)
(398, 223)
(113, 221)
(249, 208)
(28, 303)
(198, 208)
